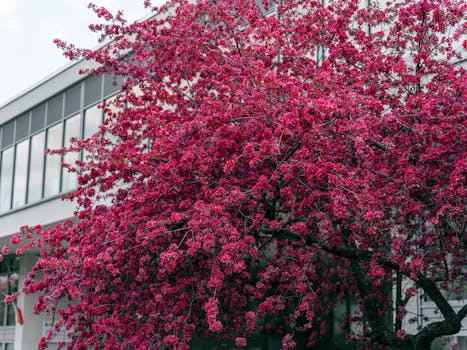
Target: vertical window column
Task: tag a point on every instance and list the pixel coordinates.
(53, 161)
(36, 172)
(21, 173)
(92, 121)
(72, 129)
(27, 174)
(6, 179)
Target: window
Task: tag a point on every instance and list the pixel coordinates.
(110, 105)
(21, 173)
(92, 91)
(54, 109)
(38, 118)
(27, 174)
(8, 134)
(92, 120)
(462, 343)
(7, 311)
(53, 161)
(7, 346)
(72, 99)
(6, 179)
(8, 285)
(112, 84)
(72, 129)
(22, 127)
(37, 167)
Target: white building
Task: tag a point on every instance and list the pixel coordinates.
(45, 116)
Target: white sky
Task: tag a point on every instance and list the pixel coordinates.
(27, 31)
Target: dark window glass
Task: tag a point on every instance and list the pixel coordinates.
(8, 134)
(54, 109)
(6, 179)
(10, 315)
(92, 90)
(72, 99)
(53, 161)
(2, 312)
(9, 264)
(37, 167)
(37, 118)
(8, 267)
(112, 84)
(22, 127)
(10, 309)
(21, 173)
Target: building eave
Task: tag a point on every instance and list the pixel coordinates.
(48, 86)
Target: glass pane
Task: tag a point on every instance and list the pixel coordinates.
(462, 342)
(72, 99)
(37, 118)
(110, 104)
(21, 172)
(9, 346)
(53, 162)
(2, 311)
(8, 133)
(54, 109)
(10, 309)
(112, 83)
(37, 167)
(6, 179)
(10, 315)
(22, 127)
(92, 120)
(92, 89)
(72, 128)
(112, 110)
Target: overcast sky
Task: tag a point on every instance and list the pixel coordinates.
(27, 31)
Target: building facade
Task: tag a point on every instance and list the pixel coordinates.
(46, 116)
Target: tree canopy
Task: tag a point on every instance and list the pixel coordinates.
(263, 162)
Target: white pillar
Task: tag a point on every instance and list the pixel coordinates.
(27, 335)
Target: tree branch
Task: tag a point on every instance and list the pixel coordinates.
(452, 320)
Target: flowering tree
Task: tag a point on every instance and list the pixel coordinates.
(258, 168)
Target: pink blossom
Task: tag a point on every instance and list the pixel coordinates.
(15, 239)
(241, 342)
